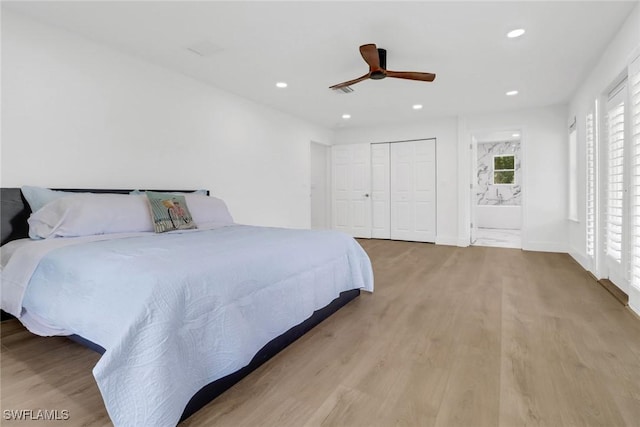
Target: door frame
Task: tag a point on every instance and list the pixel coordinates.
(465, 177)
(473, 205)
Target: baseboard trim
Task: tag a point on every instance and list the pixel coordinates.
(634, 300)
(463, 243)
(584, 261)
(617, 293)
(593, 276)
(544, 247)
(448, 241)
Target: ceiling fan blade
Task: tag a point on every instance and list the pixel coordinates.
(412, 75)
(370, 55)
(350, 82)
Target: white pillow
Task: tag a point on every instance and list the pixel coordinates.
(207, 210)
(37, 197)
(86, 214)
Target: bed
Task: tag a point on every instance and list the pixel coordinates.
(174, 331)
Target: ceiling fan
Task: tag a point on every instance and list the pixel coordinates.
(377, 60)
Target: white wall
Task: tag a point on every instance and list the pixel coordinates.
(544, 142)
(79, 114)
(613, 63)
(446, 134)
(507, 217)
(544, 172)
(320, 186)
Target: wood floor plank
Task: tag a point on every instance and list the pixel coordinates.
(451, 337)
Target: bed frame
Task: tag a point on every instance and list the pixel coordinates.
(14, 212)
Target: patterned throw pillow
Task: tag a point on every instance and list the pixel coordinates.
(169, 212)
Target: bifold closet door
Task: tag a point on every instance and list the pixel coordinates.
(413, 190)
(380, 192)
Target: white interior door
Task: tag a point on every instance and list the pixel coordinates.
(380, 192)
(319, 186)
(351, 181)
(413, 190)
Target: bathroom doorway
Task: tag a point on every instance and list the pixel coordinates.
(496, 188)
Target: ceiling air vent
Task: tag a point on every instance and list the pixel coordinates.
(343, 89)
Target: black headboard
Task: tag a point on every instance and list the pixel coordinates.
(14, 209)
(14, 212)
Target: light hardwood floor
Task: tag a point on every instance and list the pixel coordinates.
(451, 337)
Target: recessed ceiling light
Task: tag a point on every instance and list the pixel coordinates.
(346, 116)
(515, 33)
(417, 107)
(515, 135)
(512, 92)
(281, 84)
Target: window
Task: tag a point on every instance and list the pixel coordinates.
(615, 173)
(634, 79)
(504, 169)
(591, 185)
(573, 170)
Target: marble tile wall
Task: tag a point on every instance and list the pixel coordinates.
(489, 194)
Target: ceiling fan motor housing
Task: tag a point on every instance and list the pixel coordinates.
(378, 75)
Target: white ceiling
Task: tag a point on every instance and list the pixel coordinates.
(312, 45)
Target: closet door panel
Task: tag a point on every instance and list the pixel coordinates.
(401, 190)
(425, 191)
(380, 193)
(413, 190)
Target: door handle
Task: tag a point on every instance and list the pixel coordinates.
(366, 195)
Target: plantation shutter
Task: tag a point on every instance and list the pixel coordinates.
(634, 82)
(591, 185)
(615, 172)
(573, 167)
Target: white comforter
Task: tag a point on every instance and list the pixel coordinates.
(177, 311)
